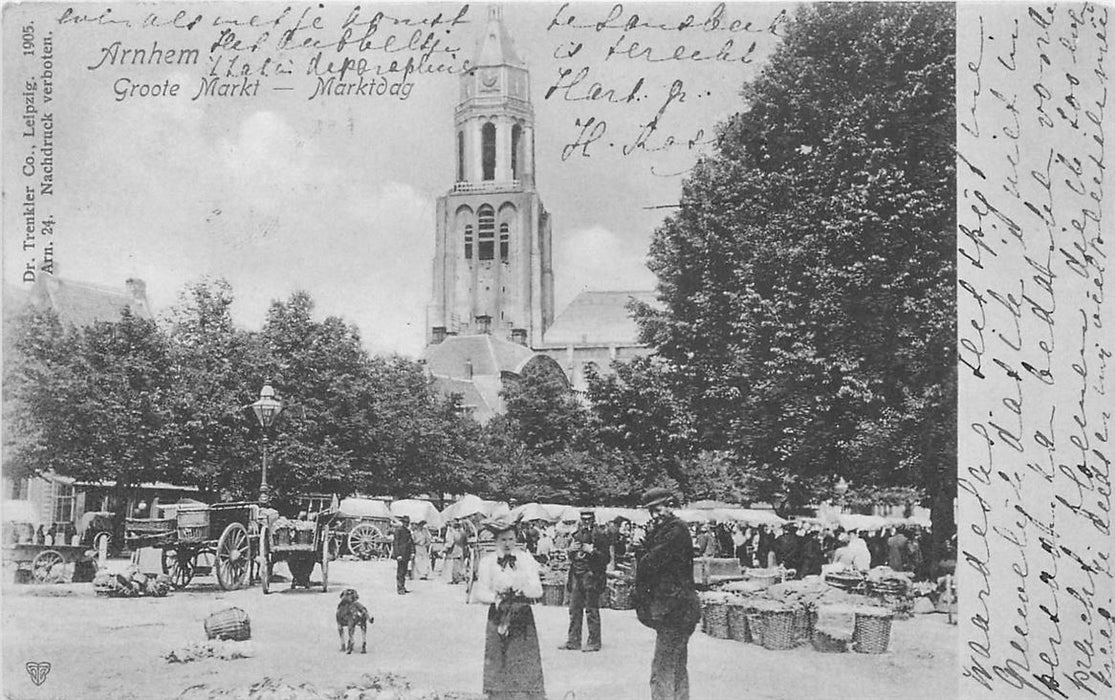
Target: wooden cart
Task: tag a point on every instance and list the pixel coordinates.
(227, 531)
(40, 559)
(300, 549)
(363, 537)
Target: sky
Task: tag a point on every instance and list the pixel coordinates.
(336, 195)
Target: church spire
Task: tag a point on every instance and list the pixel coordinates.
(496, 47)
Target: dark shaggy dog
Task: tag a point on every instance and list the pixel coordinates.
(350, 615)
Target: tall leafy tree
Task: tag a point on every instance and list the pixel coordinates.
(806, 278)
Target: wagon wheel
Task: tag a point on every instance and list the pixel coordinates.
(471, 557)
(179, 566)
(325, 552)
(265, 558)
(234, 557)
(42, 564)
(363, 541)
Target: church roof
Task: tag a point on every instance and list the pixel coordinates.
(597, 318)
(488, 356)
(82, 303)
(496, 47)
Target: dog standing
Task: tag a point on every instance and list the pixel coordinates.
(350, 615)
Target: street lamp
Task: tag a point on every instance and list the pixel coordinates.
(266, 408)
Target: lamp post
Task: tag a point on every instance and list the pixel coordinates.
(266, 408)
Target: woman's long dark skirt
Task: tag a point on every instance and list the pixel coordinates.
(513, 664)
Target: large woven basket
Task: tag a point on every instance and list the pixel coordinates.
(872, 630)
(755, 627)
(553, 593)
(778, 632)
(232, 623)
(716, 613)
(738, 629)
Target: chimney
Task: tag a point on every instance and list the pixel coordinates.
(519, 335)
(138, 289)
(438, 335)
(468, 368)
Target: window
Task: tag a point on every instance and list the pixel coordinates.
(63, 503)
(516, 138)
(21, 489)
(488, 150)
(468, 242)
(485, 242)
(504, 241)
(460, 156)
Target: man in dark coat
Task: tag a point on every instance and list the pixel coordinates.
(665, 597)
(588, 559)
(787, 548)
(402, 549)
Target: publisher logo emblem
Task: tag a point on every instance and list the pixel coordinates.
(38, 671)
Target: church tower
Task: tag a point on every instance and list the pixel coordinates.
(493, 260)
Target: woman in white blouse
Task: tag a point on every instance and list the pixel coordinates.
(508, 581)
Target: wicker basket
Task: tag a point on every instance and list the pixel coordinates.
(738, 629)
(553, 594)
(232, 623)
(830, 641)
(716, 613)
(778, 632)
(872, 631)
(281, 537)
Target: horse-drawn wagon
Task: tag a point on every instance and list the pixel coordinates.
(228, 532)
(362, 526)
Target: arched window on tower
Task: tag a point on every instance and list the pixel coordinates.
(504, 241)
(468, 242)
(488, 150)
(460, 156)
(485, 240)
(516, 142)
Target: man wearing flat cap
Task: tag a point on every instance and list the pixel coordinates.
(402, 549)
(665, 597)
(588, 561)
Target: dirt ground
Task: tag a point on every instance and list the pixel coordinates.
(113, 648)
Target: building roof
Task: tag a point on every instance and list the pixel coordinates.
(597, 318)
(469, 356)
(496, 47)
(471, 396)
(82, 304)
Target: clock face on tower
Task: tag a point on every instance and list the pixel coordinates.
(489, 79)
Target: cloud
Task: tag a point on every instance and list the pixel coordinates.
(594, 258)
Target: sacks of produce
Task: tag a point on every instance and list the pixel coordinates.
(131, 584)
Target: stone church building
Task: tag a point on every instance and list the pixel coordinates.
(493, 304)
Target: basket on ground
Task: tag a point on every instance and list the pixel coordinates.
(553, 593)
(716, 615)
(778, 629)
(755, 627)
(872, 630)
(232, 623)
(804, 621)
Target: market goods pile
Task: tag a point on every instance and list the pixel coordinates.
(379, 686)
(132, 584)
(212, 649)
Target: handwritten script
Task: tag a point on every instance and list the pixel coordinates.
(1036, 327)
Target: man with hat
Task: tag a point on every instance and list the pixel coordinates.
(665, 596)
(402, 549)
(588, 559)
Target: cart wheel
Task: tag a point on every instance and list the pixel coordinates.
(234, 557)
(42, 564)
(470, 572)
(265, 559)
(363, 541)
(325, 552)
(179, 566)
